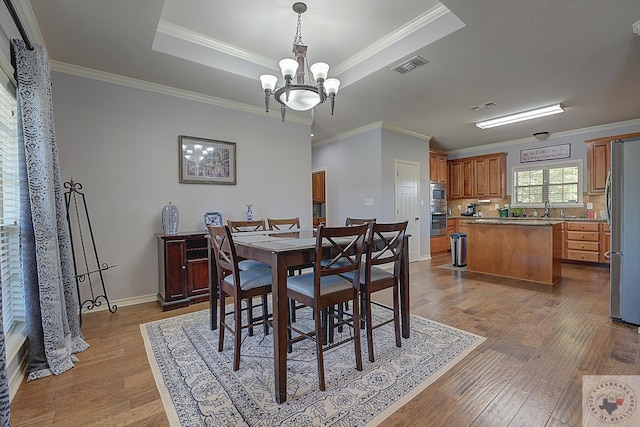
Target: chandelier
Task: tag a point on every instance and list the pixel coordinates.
(308, 90)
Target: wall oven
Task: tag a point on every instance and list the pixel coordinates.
(438, 222)
(438, 196)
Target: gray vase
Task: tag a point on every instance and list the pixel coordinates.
(170, 218)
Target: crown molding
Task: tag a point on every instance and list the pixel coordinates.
(569, 133)
(367, 128)
(75, 70)
(210, 43)
(29, 22)
(392, 38)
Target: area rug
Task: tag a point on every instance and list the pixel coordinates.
(199, 388)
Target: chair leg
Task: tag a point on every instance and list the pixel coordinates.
(364, 312)
(396, 315)
(222, 313)
(250, 315)
(290, 308)
(369, 328)
(319, 339)
(292, 311)
(356, 333)
(265, 314)
(237, 317)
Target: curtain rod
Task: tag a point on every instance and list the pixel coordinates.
(16, 21)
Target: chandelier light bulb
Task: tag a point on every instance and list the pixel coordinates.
(268, 81)
(331, 86)
(320, 70)
(288, 67)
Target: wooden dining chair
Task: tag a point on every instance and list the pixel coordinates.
(238, 284)
(383, 249)
(247, 226)
(325, 287)
(358, 221)
(289, 224)
(283, 223)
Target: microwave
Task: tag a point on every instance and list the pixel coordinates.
(438, 194)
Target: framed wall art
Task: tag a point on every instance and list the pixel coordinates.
(206, 161)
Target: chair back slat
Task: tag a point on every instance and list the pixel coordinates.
(283, 223)
(385, 243)
(243, 226)
(346, 246)
(223, 249)
(358, 221)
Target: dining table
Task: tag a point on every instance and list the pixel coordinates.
(284, 249)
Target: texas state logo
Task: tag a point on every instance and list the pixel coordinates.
(610, 400)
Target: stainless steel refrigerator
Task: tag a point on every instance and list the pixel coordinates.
(622, 196)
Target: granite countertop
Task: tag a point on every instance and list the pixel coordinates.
(524, 221)
(525, 218)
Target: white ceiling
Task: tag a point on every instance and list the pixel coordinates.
(519, 54)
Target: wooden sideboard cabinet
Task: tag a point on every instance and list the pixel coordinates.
(183, 269)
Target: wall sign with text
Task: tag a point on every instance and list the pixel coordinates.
(562, 151)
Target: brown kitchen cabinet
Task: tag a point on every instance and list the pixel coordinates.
(438, 167)
(438, 244)
(583, 241)
(460, 178)
(318, 187)
(598, 164)
(605, 242)
(183, 269)
(478, 176)
(452, 225)
(599, 160)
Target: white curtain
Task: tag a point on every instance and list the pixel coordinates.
(49, 279)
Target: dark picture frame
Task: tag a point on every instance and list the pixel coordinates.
(206, 161)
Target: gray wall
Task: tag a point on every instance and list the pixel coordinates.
(121, 144)
(362, 166)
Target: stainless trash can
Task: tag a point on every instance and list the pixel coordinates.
(459, 249)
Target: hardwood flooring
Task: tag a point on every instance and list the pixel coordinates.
(540, 341)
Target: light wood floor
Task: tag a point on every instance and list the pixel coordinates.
(540, 341)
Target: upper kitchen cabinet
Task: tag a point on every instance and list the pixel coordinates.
(598, 163)
(460, 178)
(317, 187)
(490, 178)
(437, 167)
(479, 176)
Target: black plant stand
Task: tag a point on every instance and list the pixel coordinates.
(91, 267)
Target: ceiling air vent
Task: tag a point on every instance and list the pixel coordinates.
(410, 65)
(483, 106)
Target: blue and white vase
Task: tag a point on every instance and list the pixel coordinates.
(249, 213)
(170, 218)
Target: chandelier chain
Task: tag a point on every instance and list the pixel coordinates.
(297, 40)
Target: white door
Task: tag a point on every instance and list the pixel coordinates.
(407, 190)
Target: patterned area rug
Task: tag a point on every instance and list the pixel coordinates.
(199, 388)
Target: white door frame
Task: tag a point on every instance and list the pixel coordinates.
(413, 218)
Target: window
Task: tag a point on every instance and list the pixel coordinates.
(559, 183)
(12, 292)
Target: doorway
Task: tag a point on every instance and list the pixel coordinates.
(407, 191)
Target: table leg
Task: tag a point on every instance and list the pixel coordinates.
(213, 290)
(404, 289)
(279, 299)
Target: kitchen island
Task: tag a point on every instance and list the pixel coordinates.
(525, 249)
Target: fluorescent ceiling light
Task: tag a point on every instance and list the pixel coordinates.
(518, 117)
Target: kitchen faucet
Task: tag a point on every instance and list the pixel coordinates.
(546, 209)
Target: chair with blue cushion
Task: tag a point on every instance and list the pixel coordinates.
(238, 284)
(384, 249)
(325, 287)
